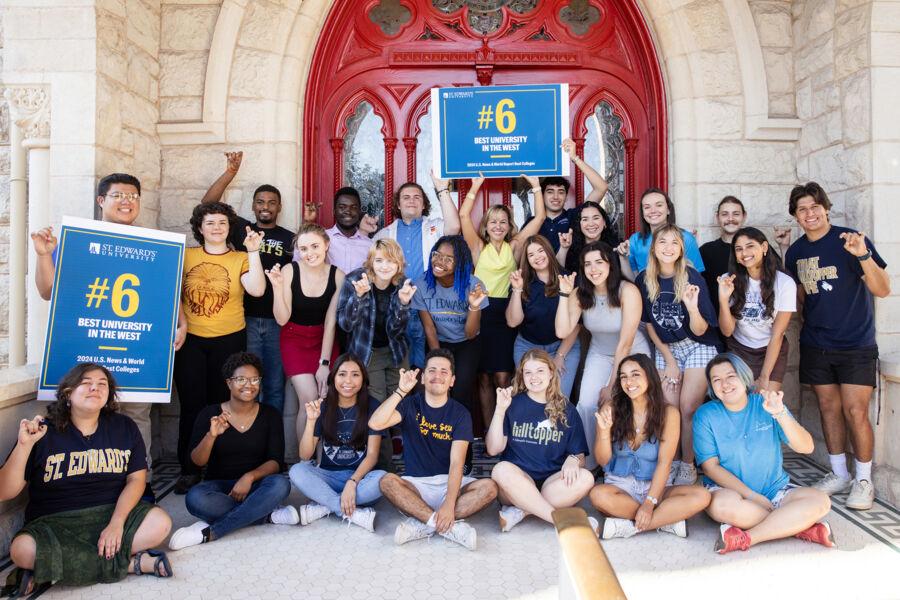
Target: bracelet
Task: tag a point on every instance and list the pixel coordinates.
(437, 191)
(783, 412)
(652, 500)
(564, 294)
(516, 289)
(865, 256)
(355, 482)
(476, 309)
(253, 251)
(536, 189)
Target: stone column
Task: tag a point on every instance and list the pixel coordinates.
(30, 117)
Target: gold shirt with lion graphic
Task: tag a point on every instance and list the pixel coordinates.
(212, 296)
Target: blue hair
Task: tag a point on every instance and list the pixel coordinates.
(462, 273)
(744, 373)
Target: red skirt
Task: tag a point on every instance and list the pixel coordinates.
(301, 348)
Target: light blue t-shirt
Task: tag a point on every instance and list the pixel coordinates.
(639, 251)
(410, 239)
(747, 444)
(448, 312)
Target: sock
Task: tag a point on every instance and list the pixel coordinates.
(431, 522)
(839, 465)
(863, 470)
(206, 533)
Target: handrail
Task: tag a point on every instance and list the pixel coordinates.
(585, 572)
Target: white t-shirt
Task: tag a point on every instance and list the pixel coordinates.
(752, 328)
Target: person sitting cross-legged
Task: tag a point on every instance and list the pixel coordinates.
(241, 444)
(737, 440)
(345, 479)
(541, 438)
(637, 434)
(437, 431)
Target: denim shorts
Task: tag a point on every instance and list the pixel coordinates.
(780, 495)
(688, 354)
(636, 488)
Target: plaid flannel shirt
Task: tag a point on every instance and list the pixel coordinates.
(356, 316)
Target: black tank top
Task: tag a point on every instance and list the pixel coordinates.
(306, 310)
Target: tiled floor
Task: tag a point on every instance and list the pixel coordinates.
(329, 560)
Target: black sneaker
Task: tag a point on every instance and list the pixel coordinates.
(185, 483)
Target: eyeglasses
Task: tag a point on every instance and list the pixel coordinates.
(241, 380)
(120, 196)
(444, 259)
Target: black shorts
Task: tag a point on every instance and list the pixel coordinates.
(858, 366)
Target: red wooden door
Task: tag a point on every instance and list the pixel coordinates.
(366, 107)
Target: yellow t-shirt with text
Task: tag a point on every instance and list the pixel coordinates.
(212, 296)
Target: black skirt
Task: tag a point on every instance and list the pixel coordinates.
(496, 339)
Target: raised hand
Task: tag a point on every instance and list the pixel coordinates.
(477, 182)
(534, 182)
(218, 424)
(406, 293)
(313, 409)
(773, 402)
(31, 431)
(604, 417)
(515, 280)
(44, 241)
(254, 239)
(408, 380)
(566, 283)
(275, 276)
(234, 161)
(691, 297)
(439, 184)
(476, 297)
(783, 236)
(311, 212)
(854, 243)
(362, 285)
(368, 224)
(504, 398)
(569, 148)
(726, 286)
(624, 248)
(565, 239)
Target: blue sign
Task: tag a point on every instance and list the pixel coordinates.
(115, 302)
(500, 131)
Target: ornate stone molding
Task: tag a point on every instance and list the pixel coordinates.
(29, 109)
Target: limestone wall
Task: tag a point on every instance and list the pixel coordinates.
(4, 218)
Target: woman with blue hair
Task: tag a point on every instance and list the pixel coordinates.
(449, 299)
(737, 441)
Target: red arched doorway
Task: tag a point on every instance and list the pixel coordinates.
(376, 61)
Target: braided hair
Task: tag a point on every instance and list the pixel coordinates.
(462, 261)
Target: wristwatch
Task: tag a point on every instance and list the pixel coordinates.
(324, 362)
(652, 500)
(865, 256)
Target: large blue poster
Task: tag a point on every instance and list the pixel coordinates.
(500, 131)
(115, 302)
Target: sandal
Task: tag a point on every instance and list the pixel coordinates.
(24, 578)
(161, 558)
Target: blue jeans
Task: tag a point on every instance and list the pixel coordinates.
(324, 487)
(210, 502)
(416, 334)
(567, 379)
(263, 341)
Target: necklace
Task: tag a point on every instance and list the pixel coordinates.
(345, 412)
(247, 423)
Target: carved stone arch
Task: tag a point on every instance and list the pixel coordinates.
(349, 106)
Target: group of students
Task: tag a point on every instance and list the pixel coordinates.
(434, 326)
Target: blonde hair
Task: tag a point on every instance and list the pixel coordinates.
(392, 252)
(489, 213)
(555, 409)
(311, 228)
(651, 275)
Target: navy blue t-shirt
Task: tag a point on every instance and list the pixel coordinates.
(838, 311)
(539, 324)
(552, 227)
(533, 444)
(670, 320)
(428, 434)
(343, 457)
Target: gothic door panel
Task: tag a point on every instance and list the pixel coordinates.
(366, 119)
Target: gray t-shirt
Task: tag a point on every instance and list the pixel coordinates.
(448, 312)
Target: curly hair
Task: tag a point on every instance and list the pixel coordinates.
(213, 208)
(238, 360)
(462, 261)
(59, 413)
(608, 234)
(551, 288)
(585, 290)
(557, 403)
(771, 264)
(623, 408)
(651, 275)
(360, 435)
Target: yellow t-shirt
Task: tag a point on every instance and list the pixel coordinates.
(212, 296)
(494, 267)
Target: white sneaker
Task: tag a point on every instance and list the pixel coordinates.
(285, 515)
(595, 526)
(862, 495)
(510, 516)
(192, 535)
(410, 530)
(679, 529)
(363, 517)
(832, 484)
(673, 470)
(312, 512)
(686, 474)
(462, 533)
(618, 528)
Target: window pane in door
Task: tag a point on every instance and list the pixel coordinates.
(604, 149)
(364, 159)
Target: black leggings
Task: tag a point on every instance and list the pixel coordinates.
(465, 355)
(198, 377)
